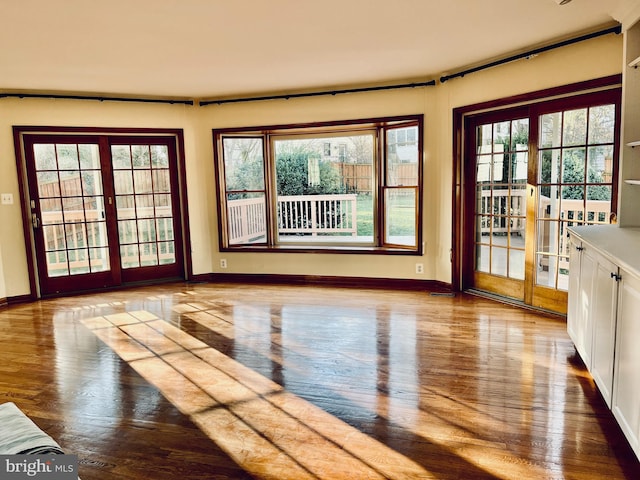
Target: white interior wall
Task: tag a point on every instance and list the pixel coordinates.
(590, 59)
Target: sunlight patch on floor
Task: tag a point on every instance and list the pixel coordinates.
(269, 432)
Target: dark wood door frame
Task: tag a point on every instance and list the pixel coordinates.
(20, 131)
(459, 278)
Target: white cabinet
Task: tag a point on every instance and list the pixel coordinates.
(626, 389)
(591, 318)
(604, 292)
(603, 317)
(580, 282)
(575, 313)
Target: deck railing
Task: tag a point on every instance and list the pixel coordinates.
(297, 215)
(72, 236)
(246, 220)
(550, 240)
(317, 214)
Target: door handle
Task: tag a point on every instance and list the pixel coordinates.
(35, 221)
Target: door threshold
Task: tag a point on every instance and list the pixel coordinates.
(514, 303)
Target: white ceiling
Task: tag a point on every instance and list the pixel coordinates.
(219, 48)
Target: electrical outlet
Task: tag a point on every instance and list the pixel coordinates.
(223, 263)
(7, 199)
(419, 267)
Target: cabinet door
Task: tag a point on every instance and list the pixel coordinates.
(626, 389)
(573, 307)
(603, 320)
(579, 326)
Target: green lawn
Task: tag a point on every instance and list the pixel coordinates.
(401, 216)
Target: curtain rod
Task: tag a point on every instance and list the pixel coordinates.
(316, 94)
(89, 97)
(530, 53)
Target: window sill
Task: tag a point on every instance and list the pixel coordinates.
(330, 249)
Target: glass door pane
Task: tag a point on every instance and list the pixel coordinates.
(144, 205)
(575, 178)
(502, 150)
(72, 208)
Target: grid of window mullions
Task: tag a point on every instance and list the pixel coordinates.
(275, 211)
(71, 248)
(140, 230)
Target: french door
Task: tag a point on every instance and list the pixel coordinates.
(498, 221)
(531, 173)
(104, 210)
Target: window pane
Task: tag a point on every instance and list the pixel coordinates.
(128, 231)
(482, 258)
(80, 262)
(97, 234)
(484, 138)
(499, 261)
(325, 182)
(166, 252)
(89, 156)
(91, 182)
(144, 206)
(143, 203)
(549, 168)
(71, 205)
(549, 202)
(161, 182)
(129, 256)
(402, 157)
(123, 182)
(501, 198)
(121, 156)
(142, 181)
(501, 134)
(600, 164)
(45, 156)
(68, 156)
(400, 216)
(483, 168)
(581, 193)
(57, 265)
(140, 156)
(243, 164)
(246, 218)
(51, 210)
(159, 156)
(573, 165)
(516, 264)
(148, 254)
(99, 259)
(164, 228)
(602, 124)
(574, 128)
(520, 135)
(125, 206)
(550, 128)
(325, 199)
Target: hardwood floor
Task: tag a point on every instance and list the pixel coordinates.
(230, 381)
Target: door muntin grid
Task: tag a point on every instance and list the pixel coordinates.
(72, 208)
(575, 180)
(143, 199)
(502, 150)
